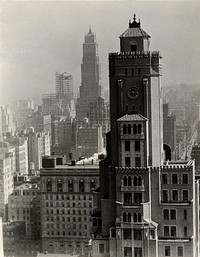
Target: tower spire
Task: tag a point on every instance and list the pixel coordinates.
(90, 31)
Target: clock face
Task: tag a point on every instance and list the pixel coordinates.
(133, 93)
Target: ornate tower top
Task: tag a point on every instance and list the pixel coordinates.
(90, 37)
(134, 24)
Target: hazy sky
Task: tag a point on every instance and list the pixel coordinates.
(40, 38)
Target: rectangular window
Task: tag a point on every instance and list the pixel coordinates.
(137, 145)
(174, 178)
(126, 71)
(180, 251)
(132, 71)
(101, 248)
(185, 214)
(137, 234)
(185, 178)
(127, 233)
(127, 161)
(165, 196)
(137, 198)
(173, 231)
(166, 230)
(167, 251)
(127, 198)
(139, 71)
(173, 214)
(166, 214)
(185, 195)
(137, 252)
(127, 251)
(137, 162)
(164, 179)
(127, 145)
(175, 195)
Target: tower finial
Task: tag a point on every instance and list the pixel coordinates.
(90, 31)
(134, 17)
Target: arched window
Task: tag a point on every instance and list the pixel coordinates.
(81, 186)
(59, 185)
(124, 217)
(129, 217)
(134, 129)
(139, 129)
(92, 185)
(124, 129)
(139, 181)
(125, 181)
(135, 181)
(139, 217)
(129, 181)
(129, 128)
(134, 217)
(70, 185)
(48, 185)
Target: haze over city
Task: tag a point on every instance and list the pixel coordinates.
(40, 38)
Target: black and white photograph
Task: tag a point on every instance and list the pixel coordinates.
(100, 128)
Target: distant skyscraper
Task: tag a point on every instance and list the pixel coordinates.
(90, 87)
(64, 86)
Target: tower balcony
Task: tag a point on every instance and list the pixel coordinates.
(136, 54)
(132, 188)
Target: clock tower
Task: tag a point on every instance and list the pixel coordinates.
(135, 91)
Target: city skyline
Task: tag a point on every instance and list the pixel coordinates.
(44, 37)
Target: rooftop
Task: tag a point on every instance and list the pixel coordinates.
(134, 30)
(132, 117)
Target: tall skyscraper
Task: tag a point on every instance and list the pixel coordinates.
(90, 87)
(146, 207)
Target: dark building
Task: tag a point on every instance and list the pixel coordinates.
(169, 130)
(145, 207)
(90, 88)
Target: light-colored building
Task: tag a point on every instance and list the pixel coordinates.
(24, 205)
(7, 169)
(20, 144)
(66, 206)
(38, 146)
(1, 239)
(6, 119)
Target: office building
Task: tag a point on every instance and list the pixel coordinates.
(147, 207)
(90, 88)
(66, 205)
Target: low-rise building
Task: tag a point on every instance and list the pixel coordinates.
(24, 205)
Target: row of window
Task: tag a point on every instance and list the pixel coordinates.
(69, 233)
(179, 251)
(127, 145)
(128, 162)
(175, 178)
(132, 198)
(132, 181)
(59, 185)
(69, 204)
(132, 129)
(171, 231)
(172, 214)
(127, 217)
(175, 197)
(68, 226)
(73, 219)
(51, 214)
(68, 197)
(74, 212)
